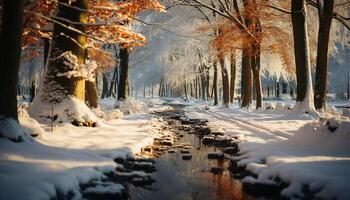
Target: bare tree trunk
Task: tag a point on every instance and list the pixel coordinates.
(113, 81)
(185, 90)
(246, 79)
(207, 83)
(215, 84)
(10, 45)
(91, 96)
(348, 88)
(255, 61)
(225, 84)
(47, 42)
(203, 84)
(325, 21)
(123, 80)
(104, 86)
(196, 87)
(302, 57)
(233, 75)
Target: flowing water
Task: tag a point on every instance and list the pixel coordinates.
(198, 178)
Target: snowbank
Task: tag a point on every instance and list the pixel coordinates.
(58, 162)
(67, 111)
(130, 106)
(10, 129)
(297, 149)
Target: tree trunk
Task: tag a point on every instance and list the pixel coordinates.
(113, 81)
(47, 42)
(203, 84)
(325, 22)
(233, 75)
(185, 90)
(91, 94)
(255, 62)
(10, 44)
(32, 88)
(304, 101)
(225, 84)
(215, 84)
(258, 90)
(207, 83)
(104, 86)
(56, 88)
(246, 79)
(348, 88)
(123, 80)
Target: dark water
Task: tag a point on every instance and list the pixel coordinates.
(178, 179)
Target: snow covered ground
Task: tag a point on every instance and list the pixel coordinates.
(59, 162)
(300, 149)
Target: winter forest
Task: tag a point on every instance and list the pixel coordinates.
(174, 99)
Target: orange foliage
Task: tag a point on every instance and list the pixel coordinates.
(275, 37)
(107, 21)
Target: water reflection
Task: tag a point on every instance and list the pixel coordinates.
(178, 179)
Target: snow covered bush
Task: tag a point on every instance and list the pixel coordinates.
(114, 114)
(279, 106)
(30, 125)
(69, 110)
(10, 129)
(269, 105)
(130, 106)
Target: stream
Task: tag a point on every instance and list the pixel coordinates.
(197, 177)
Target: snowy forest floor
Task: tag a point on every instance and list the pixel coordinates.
(299, 149)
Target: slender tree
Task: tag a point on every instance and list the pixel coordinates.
(304, 101)
(123, 78)
(325, 12)
(232, 75)
(215, 84)
(225, 83)
(10, 45)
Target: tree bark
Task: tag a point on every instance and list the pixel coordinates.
(91, 96)
(302, 57)
(233, 75)
(325, 21)
(113, 82)
(246, 79)
(104, 86)
(57, 88)
(10, 45)
(123, 79)
(47, 42)
(225, 84)
(215, 84)
(255, 62)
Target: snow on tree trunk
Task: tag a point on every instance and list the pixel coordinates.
(62, 93)
(304, 101)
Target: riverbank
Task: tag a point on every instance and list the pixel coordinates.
(304, 156)
(60, 160)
